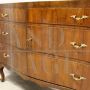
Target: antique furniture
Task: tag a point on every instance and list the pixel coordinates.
(47, 42)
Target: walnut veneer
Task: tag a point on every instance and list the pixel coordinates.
(47, 42)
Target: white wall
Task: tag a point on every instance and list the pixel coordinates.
(14, 1)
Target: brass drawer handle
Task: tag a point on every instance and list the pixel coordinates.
(79, 18)
(77, 78)
(29, 39)
(5, 55)
(75, 45)
(4, 15)
(4, 33)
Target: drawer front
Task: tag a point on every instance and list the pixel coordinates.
(60, 71)
(84, 53)
(13, 34)
(43, 38)
(37, 38)
(40, 66)
(63, 16)
(18, 61)
(72, 42)
(4, 56)
(13, 14)
(17, 35)
(5, 33)
(72, 74)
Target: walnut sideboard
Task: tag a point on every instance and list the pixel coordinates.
(47, 43)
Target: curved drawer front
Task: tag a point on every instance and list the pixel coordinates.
(4, 56)
(72, 74)
(60, 71)
(40, 66)
(18, 35)
(5, 32)
(18, 61)
(13, 34)
(13, 14)
(64, 16)
(66, 41)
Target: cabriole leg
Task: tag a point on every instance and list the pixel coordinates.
(2, 74)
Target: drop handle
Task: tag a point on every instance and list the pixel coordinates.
(29, 39)
(4, 15)
(4, 33)
(77, 78)
(79, 18)
(5, 55)
(78, 46)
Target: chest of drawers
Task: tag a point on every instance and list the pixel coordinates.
(47, 42)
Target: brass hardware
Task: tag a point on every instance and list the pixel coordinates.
(29, 39)
(77, 78)
(4, 33)
(84, 17)
(75, 45)
(4, 15)
(83, 45)
(5, 55)
(79, 18)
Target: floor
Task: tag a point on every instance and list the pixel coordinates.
(14, 82)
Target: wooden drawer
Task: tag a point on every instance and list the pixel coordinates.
(43, 38)
(37, 38)
(63, 16)
(18, 61)
(75, 44)
(13, 34)
(60, 71)
(17, 35)
(40, 66)
(72, 42)
(72, 74)
(13, 14)
(4, 56)
(5, 53)
(5, 32)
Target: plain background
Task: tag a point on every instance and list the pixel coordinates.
(14, 1)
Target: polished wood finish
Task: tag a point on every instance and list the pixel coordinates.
(62, 16)
(57, 70)
(47, 42)
(18, 35)
(37, 64)
(13, 14)
(18, 61)
(67, 68)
